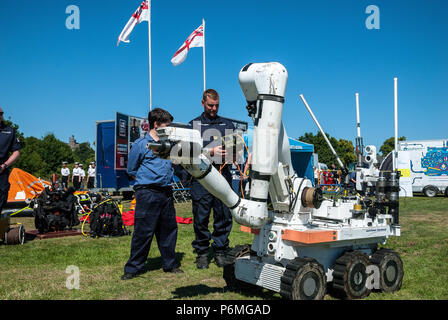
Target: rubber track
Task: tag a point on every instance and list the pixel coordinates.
(229, 267)
(339, 268)
(289, 275)
(379, 255)
(237, 252)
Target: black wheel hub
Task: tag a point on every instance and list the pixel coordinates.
(358, 278)
(309, 286)
(390, 273)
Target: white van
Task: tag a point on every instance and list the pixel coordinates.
(424, 167)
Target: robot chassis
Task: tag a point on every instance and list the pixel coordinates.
(306, 244)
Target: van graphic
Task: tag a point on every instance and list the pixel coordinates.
(435, 161)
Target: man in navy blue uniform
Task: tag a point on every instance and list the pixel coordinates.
(213, 128)
(9, 153)
(154, 208)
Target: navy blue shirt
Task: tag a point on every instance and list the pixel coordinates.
(217, 127)
(148, 168)
(212, 132)
(8, 142)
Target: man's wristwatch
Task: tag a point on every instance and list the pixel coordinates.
(5, 166)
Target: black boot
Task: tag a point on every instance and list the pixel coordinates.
(219, 259)
(202, 261)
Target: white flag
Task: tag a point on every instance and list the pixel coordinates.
(141, 14)
(196, 39)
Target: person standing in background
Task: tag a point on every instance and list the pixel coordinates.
(82, 176)
(76, 176)
(213, 128)
(9, 154)
(65, 174)
(91, 173)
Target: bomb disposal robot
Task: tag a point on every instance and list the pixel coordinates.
(306, 243)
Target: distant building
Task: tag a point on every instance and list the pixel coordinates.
(72, 143)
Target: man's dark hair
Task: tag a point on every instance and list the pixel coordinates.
(159, 115)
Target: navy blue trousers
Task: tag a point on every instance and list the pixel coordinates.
(222, 223)
(154, 215)
(4, 189)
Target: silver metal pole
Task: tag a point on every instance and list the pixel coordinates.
(322, 131)
(359, 143)
(203, 53)
(395, 159)
(358, 125)
(149, 57)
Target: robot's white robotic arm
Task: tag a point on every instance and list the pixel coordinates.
(264, 86)
(177, 144)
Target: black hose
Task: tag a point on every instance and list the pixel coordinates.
(292, 205)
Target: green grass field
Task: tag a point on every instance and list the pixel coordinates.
(37, 269)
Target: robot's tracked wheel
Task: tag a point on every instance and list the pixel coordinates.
(229, 268)
(350, 275)
(391, 269)
(303, 279)
(15, 235)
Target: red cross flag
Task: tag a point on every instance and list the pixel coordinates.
(141, 14)
(196, 39)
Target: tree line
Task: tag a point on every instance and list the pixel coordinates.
(43, 157)
(344, 148)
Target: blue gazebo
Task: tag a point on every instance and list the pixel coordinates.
(301, 155)
(302, 158)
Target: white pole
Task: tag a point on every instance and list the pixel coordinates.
(396, 122)
(322, 131)
(203, 52)
(359, 144)
(358, 125)
(149, 49)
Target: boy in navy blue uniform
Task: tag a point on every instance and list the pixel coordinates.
(154, 209)
(9, 153)
(212, 128)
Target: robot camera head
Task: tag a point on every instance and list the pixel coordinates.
(263, 79)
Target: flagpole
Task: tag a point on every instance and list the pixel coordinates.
(149, 50)
(203, 51)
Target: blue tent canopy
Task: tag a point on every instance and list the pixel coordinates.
(302, 158)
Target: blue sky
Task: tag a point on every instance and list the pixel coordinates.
(53, 79)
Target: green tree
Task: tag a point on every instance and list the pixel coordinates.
(55, 151)
(389, 145)
(43, 157)
(343, 148)
(84, 153)
(346, 151)
(30, 158)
